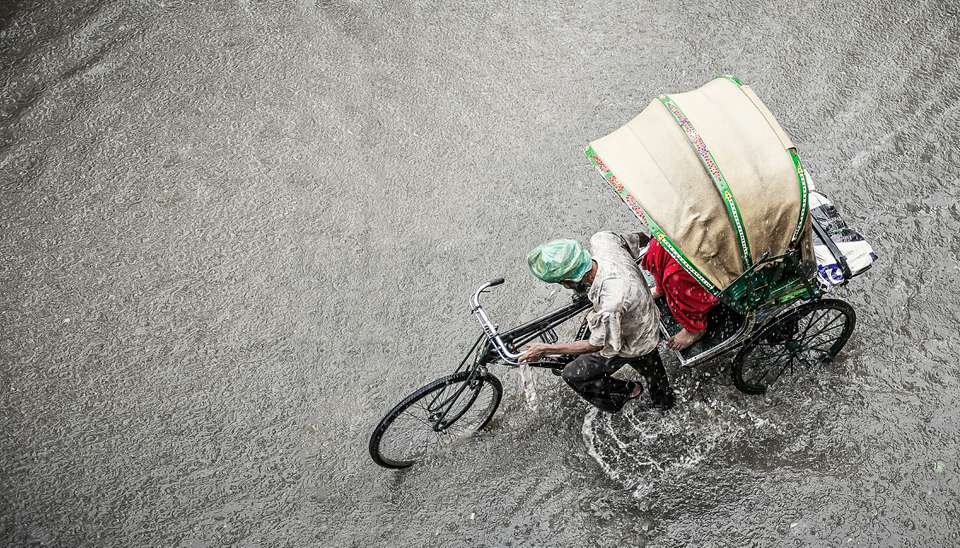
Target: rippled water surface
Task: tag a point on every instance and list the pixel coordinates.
(232, 235)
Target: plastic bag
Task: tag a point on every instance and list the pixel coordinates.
(849, 244)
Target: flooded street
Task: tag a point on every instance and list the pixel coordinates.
(234, 234)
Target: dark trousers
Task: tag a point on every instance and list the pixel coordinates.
(590, 376)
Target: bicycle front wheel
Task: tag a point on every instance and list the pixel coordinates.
(448, 409)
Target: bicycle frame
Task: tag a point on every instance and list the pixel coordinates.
(505, 344)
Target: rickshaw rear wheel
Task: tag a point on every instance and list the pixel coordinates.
(802, 340)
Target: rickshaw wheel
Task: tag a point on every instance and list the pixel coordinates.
(802, 340)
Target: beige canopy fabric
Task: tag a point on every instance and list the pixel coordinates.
(674, 162)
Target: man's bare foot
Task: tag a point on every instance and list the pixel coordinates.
(684, 339)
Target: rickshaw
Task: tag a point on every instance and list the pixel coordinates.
(718, 183)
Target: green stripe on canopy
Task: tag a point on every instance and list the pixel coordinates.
(713, 170)
(655, 229)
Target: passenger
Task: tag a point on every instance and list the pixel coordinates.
(688, 301)
(623, 323)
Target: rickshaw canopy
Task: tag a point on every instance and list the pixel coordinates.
(715, 178)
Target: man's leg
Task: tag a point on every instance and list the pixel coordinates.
(651, 367)
(589, 376)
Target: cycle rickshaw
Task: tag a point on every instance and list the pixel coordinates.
(717, 181)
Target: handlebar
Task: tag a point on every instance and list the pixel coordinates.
(512, 358)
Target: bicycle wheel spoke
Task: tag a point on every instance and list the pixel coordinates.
(421, 420)
(837, 318)
(824, 351)
(466, 421)
(450, 398)
(809, 362)
(768, 344)
(774, 356)
(416, 430)
(412, 423)
(782, 369)
(780, 365)
(758, 370)
(775, 370)
(819, 346)
(823, 340)
(812, 323)
(768, 361)
(823, 331)
(414, 434)
(765, 360)
(411, 448)
(456, 430)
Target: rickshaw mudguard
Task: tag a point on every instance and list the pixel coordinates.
(719, 184)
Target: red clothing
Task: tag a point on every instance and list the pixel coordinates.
(687, 300)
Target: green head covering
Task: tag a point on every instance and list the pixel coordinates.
(559, 260)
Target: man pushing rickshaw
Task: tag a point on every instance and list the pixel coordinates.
(739, 265)
(624, 321)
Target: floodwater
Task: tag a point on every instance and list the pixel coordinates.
(234, 234)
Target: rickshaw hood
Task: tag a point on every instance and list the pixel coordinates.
(713, 175)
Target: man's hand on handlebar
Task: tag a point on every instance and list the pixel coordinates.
(535, 351)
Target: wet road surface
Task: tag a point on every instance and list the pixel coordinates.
(233, 235)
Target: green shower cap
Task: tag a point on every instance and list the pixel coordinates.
(559, 260)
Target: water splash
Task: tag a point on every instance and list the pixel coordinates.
(642, 447)
(528, 385)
